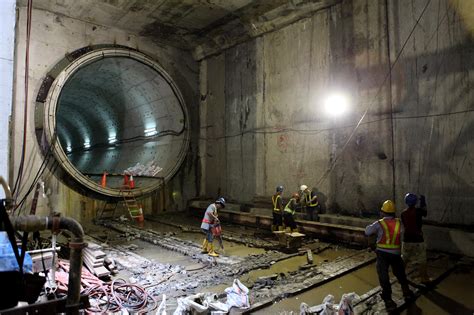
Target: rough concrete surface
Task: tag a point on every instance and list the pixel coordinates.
(52, 37)
(271, 97)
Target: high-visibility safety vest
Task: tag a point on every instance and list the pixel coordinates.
(276, 208)
(287, 207)
(391, 234)
(309, 202)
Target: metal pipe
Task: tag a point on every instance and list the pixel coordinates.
(31, 223)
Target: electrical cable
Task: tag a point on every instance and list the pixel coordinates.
(18, 180)
(39, 173)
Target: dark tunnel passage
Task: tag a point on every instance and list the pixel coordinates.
(116, 114)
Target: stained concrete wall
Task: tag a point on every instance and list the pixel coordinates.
(7, 38)
(52, 37)
(416, 136)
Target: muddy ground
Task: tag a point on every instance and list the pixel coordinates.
(165, 255)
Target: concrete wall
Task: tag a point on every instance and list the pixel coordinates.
(52, 37)
(7, 38)
(265, 124)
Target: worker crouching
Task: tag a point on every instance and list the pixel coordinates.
(210, 219)
(289, 213)
(388, 253)
(277, 210)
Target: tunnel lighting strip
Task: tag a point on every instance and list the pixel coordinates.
(150, 132)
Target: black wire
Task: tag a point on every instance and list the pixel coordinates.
(316, 131)
(39, 173)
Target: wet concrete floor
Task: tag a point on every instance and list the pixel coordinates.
(454, 295)
(359, 281)
(284, 266)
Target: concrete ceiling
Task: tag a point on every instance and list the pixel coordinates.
(203, 26)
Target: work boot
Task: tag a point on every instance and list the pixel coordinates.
(288, 230)
(294, 230)
(274, 228)
(212, 252)
(204, 246)
(281, 228)
(390, 305)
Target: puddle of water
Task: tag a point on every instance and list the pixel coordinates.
(454, 295)
(359, 281)
(159, 254)
(284, 266)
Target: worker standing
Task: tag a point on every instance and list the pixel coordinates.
(413, 243)
(388, 253)
(277, 210)
(209, 220)
(311, 203)
(289, 213)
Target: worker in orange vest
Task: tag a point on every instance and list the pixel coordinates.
(208, 222)
(388, 253)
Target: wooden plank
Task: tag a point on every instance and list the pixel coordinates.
(101, 271)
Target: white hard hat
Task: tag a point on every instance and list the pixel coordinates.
(303, 187)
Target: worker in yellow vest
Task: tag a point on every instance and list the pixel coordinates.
(289, 213)
(388, 253)
(311, 203)
(277, 210)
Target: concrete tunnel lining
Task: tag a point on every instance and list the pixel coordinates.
(110, 109)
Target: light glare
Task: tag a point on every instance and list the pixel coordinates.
(336, 104)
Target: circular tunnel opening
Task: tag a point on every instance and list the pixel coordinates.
(117, 114)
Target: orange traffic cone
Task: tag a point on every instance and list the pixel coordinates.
(125, 179)
(103, 182)
(131, 182)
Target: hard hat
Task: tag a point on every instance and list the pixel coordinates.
(279, 189)
(388, 207)
(221, 201)
(295, 195)
(303, 187)
(411, 199)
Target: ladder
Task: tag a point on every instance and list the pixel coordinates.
(131, 203)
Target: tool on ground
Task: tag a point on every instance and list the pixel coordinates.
(217, 232)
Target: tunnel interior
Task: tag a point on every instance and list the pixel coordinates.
(117, 113)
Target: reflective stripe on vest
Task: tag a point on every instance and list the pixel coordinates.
(391, 235)
(309, 202)
(275, 201)
(287, 207)
(206, 221)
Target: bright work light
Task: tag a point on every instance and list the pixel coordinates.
(336, 104)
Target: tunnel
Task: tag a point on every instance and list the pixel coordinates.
(116, 112)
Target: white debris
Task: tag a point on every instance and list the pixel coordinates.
(345, 305)
(238, 295)
(150, 169)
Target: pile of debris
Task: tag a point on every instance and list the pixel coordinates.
(150, 169)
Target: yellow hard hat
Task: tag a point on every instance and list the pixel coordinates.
(388, 206)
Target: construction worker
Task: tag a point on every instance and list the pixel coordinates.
(277, 210)
(413, 243)
(289, 212)
(311, 203)
(209, 220)
(388, 253)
